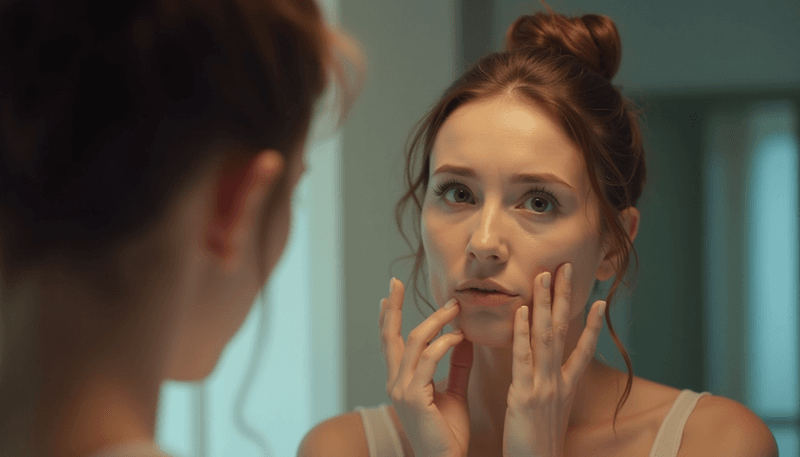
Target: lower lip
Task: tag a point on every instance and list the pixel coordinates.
(475, 297)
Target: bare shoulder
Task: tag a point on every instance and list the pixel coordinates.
(721, 426)
(337, 436)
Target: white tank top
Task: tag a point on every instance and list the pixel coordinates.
(383, 440)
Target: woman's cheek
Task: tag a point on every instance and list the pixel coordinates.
(584, 268)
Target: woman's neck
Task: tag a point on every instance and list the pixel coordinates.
(64, 392)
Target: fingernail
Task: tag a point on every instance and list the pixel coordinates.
(457, 332)
(525, 313)
(450, 303)
(546, 280)
(602, 309)
(391, 285)
(568, 271)
(381, 302)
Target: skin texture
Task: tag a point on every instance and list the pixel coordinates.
(500, 236)
(197, 299)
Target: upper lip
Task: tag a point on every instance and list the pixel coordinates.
(485, 284)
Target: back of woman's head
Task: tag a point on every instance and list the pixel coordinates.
(565, 66)
(108, 108)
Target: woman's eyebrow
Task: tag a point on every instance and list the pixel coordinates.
(515, 179)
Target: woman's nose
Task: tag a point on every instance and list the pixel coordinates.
(486, 242)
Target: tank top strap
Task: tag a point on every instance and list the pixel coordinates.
(382, 437)
(670, 434)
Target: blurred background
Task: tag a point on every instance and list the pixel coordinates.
(715, 306)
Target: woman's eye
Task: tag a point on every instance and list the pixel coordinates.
(458, 195)
(540, 204)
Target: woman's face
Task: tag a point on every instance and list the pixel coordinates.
(508, 198)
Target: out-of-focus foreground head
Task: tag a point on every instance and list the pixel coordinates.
(108, 109)
(110, 113)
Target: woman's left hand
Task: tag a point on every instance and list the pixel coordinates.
(542, 390)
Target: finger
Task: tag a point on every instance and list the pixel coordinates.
(562, 300)
(542, 338)
(460, 366)
(391, 337)
(383, 312)
(431, 357)
(419, 338)
(587, 344)
(522, 362)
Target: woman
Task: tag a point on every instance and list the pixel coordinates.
(149, 151)
(524, 179)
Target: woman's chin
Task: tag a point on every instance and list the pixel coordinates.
(495, 334)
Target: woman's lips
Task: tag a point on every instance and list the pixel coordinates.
(480, 298)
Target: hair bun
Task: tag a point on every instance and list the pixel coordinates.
(592, 38)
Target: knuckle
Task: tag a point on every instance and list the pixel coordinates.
(545, 297)
(414, 337)
(524, 357)
(588, 351)
(561, 331)
(566, 292)
(386, 341)
(547, 337)
(426, 355)
(397, 395)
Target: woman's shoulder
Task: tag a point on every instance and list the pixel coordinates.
(716, 426)
(339, 435)
(721, 426)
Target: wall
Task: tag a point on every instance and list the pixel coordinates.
(411, 48)
(688, 45)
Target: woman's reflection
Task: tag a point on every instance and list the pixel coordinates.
(532, 166)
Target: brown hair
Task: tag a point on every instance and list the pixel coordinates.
(565, 65)
(109, 108)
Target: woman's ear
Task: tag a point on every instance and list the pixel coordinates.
(629, 217)
(241, 188)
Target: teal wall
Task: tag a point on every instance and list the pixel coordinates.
(689, 45)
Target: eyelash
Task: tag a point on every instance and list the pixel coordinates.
(443, 187)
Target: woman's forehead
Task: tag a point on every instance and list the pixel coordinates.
(506, 136)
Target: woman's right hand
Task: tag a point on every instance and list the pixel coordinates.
(436, 423)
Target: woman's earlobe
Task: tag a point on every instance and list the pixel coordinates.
(606, 270)
(220, 246)
(630, 221)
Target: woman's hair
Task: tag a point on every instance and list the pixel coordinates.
(564, 65)
(109, 108)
